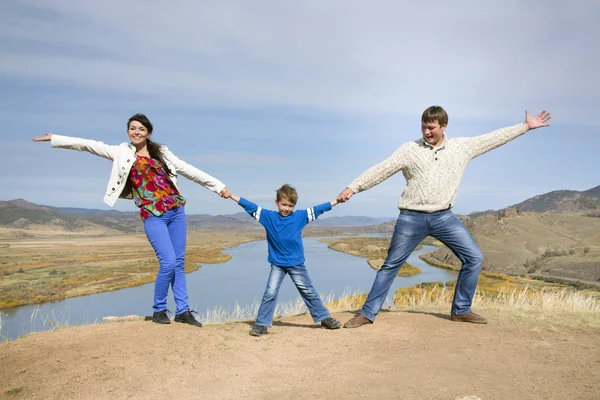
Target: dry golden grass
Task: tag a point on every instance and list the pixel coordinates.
(559, 306)
(38, 266)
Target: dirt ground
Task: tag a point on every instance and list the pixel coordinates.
(404, 355)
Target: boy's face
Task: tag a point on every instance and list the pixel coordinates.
(285, 207)
(432, 132)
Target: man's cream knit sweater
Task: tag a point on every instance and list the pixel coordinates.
(433, 174)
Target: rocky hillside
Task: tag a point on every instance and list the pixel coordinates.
(558, 201)
(553, 244)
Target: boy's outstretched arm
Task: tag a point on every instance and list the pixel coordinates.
(314, 212)
(234, 197)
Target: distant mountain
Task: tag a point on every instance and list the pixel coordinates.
(350, 220)
(558, 201)
(22, 214)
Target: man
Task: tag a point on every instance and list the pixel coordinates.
(433, 167)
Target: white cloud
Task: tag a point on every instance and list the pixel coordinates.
(478, 59)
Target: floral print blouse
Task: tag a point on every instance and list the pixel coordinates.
(153, 191)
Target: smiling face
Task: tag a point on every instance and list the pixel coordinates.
(432, 132)
(285, 207)
(138, 133)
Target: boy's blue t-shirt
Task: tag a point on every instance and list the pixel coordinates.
(284, 234)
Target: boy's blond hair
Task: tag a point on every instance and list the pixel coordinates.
(287, 192)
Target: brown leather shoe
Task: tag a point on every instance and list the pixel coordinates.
(357, 321)
(469, 317)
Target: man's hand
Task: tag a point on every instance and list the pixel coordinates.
(537, 121)
(345, 195)
(225, 193)
(45, 138)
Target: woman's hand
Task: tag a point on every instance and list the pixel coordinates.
(45, 138)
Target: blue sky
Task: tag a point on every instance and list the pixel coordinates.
(309, 93)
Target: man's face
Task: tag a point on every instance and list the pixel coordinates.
(432, 132)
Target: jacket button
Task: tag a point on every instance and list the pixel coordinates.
(123, 168)
(128, 160)
(113, 189)
(118, 182)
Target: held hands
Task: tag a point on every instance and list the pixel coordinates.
(45, 138)
(345, 195)
(225, 193)
(537, 121)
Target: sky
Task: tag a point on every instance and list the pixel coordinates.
(310, 93)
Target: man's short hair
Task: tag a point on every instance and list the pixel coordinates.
(288, 193)
(435, 113)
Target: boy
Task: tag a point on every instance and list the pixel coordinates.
(286, 255)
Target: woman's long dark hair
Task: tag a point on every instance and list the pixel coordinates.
(153, 147)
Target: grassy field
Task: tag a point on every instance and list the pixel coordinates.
(45, 265)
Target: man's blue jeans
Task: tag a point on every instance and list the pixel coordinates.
(300, 277)
(411, 228)
(167, 235)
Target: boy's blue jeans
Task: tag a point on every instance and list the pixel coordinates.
(300, 277)
(411, 228)
(167, 235)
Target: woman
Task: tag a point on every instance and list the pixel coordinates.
(146, 171)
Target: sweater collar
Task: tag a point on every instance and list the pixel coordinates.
(423, 143)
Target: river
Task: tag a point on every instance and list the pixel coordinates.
(239, 281)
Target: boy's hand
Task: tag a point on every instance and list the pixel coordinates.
(334, 203)
(345, 195)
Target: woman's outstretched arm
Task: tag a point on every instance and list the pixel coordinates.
(73, 143)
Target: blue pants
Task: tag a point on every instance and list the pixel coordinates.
(300, 277)
(411, 228)
(167, 235)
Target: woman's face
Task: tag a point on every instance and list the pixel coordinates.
(138, 134)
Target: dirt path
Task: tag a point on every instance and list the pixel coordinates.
(404, 355)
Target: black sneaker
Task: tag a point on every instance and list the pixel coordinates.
(161, 317)
(331, 323)
(258, 330)
(188, 318)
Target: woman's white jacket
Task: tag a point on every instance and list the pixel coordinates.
(123, 156)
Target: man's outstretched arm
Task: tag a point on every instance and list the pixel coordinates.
(375, 175)
(482, 144)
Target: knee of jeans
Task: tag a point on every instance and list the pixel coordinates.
(390, 265)
(167, 263)
(311, 294)
(475, 259)
(270, 293)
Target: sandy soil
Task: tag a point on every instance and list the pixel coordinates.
(404, 355)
